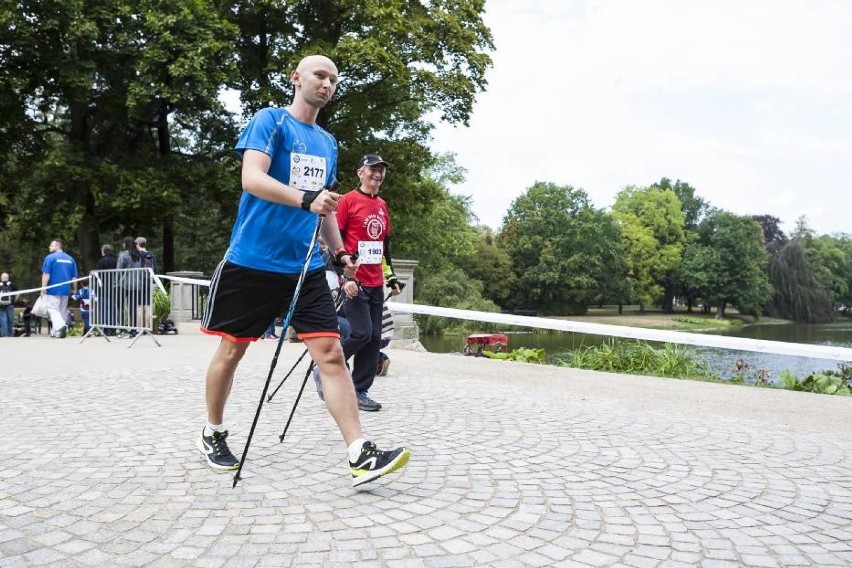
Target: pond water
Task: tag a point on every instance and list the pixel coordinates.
(722, 361)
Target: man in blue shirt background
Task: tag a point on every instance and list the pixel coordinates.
(58, 268)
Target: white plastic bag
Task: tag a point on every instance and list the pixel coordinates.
(40, 307)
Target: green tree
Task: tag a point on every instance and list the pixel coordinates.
(492, 265)
(123, 132)
(442, 234)
(107, 84)
(450, 287)
(653, 237)
(844, 242)
(694, 208)
(773, 237)
(696, 274)
(562, 248)
(827, 259)
(798, 295)
(742, 280)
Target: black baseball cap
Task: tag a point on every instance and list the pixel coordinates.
(373, 160)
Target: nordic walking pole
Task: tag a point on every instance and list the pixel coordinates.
(295, 404)
(401, 286)
(286, 324)
(302, 356)
(290, 372)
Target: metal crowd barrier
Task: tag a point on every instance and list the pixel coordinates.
(122, 302)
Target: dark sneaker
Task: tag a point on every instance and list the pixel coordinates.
(384, 363)
(215, 449)
(63, 331)
(318, 382)
(367, 403)
(374, 463)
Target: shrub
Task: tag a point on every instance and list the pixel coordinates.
(639, 358)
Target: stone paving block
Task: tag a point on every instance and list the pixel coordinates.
(693, 484)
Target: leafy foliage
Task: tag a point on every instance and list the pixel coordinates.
(563, 249)
(491, 265)
(162, 305)
(451, 288)
(639, 358)
(742, 279)
(822, 383)
(697, 273)
(112, 122)
(798, 295)
(522, 354)
(652, 229)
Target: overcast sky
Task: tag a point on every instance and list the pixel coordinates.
(749, 101)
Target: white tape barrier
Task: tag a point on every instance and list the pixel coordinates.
(31, 290)
(155, 277)
(681, 337)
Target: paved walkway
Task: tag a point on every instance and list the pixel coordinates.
(513, 465)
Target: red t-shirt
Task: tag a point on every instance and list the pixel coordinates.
(365, 223)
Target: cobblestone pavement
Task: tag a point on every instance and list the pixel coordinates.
(513, 465)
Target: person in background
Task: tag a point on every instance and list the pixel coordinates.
(107, 261)
(269, 334)
(31, 322)
(364, 222)
(82, 296)
(148, 258)
(7, 306)
(106, 291)
(58, 271)
(130, 282)
(145, 298)
(387, 335)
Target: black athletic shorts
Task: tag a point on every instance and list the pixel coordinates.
(244, 301)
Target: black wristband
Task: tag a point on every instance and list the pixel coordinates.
(338, 257)
(308, 197)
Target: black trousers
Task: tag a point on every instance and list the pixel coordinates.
(364, 313)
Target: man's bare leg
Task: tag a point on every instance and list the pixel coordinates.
(366, 461)
(220, 377)
(212, 443)
(338, 390)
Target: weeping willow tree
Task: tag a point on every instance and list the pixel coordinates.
(798, 294)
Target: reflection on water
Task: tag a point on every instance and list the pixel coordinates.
(721, 361)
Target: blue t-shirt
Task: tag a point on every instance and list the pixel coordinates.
(270, 236)
(61, 268)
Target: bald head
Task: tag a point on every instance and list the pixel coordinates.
(312, 61)
(315, 79)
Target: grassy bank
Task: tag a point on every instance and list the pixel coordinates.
(679, 320)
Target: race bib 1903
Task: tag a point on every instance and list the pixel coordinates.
(370, 252)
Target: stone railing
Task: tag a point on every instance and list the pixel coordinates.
(404, 327)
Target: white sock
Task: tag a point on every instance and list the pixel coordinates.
(354, 449)
(210, 428)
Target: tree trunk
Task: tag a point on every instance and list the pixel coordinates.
(87, 232)
(165, 149)
(620, 308)
(668, 298)
(720, 311)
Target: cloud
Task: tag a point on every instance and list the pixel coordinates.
(747, 101)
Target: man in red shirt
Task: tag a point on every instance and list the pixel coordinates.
(364, 223)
